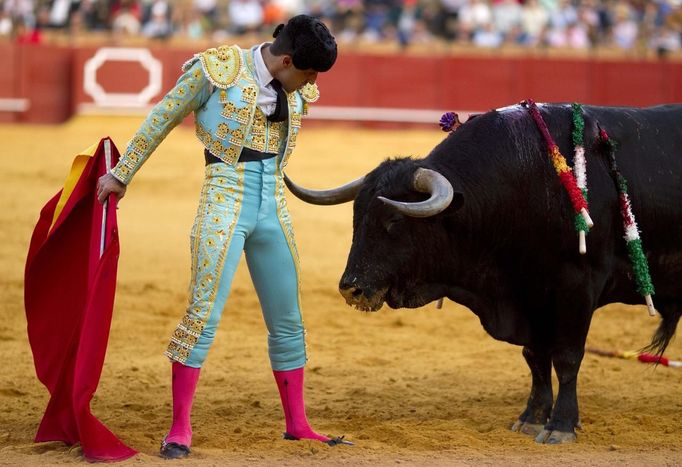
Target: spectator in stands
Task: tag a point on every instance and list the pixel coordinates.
(667, 37)
(21, 11)
(348, 19)
(564, 15)
(24, 34)
(376, 19)
(208, 9)
(474, 17)
(159, 24)
(550, 5)
(291, 7)
(577, 36)
(673, 20)
(273, 14)
(95, 14)
(194, 24)
(534, 20)
(606, 20)
(588, 17)
(448, 26)
(411, 26)
(666, 40)
(552, 23)
(75, 27)
(126, 16)
(488, 37)
(321, 9)
(625, 29)
(60, 12)
(6, 25)
(507, 18)
(245, 16)
(563, 29)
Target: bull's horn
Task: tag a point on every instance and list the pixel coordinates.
(342, 194)
(426, 181)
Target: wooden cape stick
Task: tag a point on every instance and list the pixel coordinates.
(105, 205)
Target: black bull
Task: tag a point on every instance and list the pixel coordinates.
(505, 245)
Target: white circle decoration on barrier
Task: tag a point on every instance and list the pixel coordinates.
(121, 99)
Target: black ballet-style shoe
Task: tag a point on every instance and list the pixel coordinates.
(333, 441)
(173, 450)
(336, 440)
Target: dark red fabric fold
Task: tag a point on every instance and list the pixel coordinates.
(69, 297)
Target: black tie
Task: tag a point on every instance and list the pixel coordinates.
(281, 112)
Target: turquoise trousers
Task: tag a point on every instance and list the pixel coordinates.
(243, 208)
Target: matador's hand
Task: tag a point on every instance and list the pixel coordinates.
(107, 184)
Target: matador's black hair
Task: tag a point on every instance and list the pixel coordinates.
(308, 41)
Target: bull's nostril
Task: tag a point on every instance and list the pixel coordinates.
(351, 293)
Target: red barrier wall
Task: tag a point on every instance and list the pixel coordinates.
(484, 83)
(51, 78)
(41, 76)
(9, 81)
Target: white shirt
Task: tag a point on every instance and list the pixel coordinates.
(267, 97)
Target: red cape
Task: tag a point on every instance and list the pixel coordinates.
(69, 296)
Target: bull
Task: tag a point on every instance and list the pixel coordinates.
(483, 221)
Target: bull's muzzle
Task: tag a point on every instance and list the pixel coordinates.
(351, 294)
(361, 298)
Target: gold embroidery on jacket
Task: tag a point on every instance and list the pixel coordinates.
(229, 154)
(222, 66)
(222, 131)
(229, 109)
(259, 122)
(249, 95)
(258, 142)
(275, 136)
(237, 136)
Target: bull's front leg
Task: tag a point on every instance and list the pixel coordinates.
(564, 418)
(539, 406)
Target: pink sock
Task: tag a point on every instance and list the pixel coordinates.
(290, 385)
(184, 384)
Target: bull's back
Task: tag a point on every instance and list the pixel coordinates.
(649, 156)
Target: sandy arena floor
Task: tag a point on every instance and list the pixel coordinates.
(419, 387)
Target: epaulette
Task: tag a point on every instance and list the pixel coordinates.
(222, 66)
(310, 93)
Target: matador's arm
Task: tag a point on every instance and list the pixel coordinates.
(191, 91)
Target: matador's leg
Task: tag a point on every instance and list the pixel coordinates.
(273, 263)
(217, 240)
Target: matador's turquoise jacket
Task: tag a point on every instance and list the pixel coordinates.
(219, 85)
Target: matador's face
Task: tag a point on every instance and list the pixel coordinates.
(292, 78)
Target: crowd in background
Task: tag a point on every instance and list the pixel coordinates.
(572, 24)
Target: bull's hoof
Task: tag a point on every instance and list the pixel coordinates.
(530, 429)
(555, 437)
